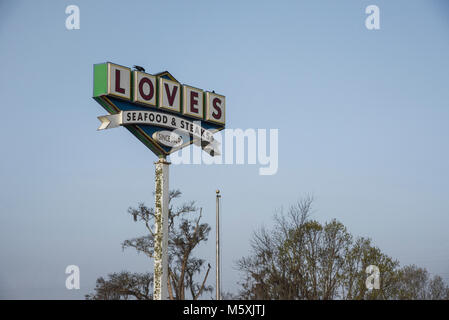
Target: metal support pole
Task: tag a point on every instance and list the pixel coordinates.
(161, 231)
(218, 292)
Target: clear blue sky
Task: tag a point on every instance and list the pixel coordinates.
(363, 119)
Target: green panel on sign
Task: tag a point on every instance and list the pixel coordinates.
(100, 79)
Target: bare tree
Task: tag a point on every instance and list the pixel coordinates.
(301, 258)
(122, 286)
(185, 233)
(416, 284)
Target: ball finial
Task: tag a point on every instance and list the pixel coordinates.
(218, 191)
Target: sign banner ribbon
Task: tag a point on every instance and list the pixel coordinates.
(165, 120)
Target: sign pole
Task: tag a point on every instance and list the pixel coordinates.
(160, 291)
(217, 288)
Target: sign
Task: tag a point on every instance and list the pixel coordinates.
(147, 105)
(165, 115)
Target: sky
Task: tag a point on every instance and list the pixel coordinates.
(363, 120)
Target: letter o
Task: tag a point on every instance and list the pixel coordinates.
(150, 95)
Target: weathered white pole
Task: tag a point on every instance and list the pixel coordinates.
(217, 260)
(161, 231)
